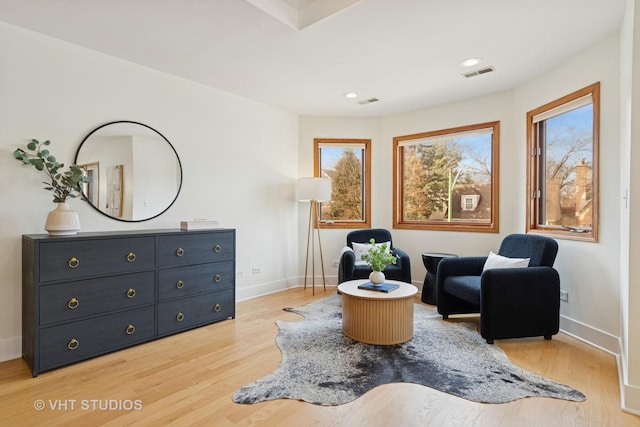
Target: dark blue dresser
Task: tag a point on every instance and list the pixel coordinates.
(93, 293)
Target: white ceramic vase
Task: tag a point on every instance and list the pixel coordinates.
(376, 277)
(62, 221)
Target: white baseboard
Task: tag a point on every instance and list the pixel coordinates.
(263, 289)
(590, 335)
(629, 394)
(10, 348)
(630, 398)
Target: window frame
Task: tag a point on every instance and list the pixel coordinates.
(366, 191)
(533, 168)
(398, 179)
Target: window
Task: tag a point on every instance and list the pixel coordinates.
(470, 202)
(347, 163)
(562, 171)
(447, 179)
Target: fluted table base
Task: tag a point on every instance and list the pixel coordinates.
(376, 317)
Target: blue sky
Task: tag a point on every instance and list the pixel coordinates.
(330, 156)
(581, 119)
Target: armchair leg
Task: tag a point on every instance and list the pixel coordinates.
(445, 316)
(547, 337)
(489, 341)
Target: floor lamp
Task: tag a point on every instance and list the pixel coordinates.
(314, 190)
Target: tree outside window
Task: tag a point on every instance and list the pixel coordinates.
(562, 178)
(346, 162)
(447, 179)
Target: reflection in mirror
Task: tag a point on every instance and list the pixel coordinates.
(135, 173)
(90, 189)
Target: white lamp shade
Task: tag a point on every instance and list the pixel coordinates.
(318, 189)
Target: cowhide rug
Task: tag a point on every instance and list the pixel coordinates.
(322, 366)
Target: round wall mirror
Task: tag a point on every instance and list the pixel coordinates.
(134, 172)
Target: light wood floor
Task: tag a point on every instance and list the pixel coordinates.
(189, 378)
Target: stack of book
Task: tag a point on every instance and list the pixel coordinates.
(384, 287)
(199, 224)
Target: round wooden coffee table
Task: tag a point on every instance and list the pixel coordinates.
(376, 317)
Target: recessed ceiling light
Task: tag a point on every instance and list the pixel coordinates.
(350, 95)
(470, 62)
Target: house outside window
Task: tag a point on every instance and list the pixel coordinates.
(447, 179)
(347, 163)
(562, 178)
(470, 202)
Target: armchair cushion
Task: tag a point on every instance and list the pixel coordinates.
(499, 261)
(467, 288)
(362, 248)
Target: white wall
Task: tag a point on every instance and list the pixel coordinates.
(240, 158)
(589, 271)
(629, 207)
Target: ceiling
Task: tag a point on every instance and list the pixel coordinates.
(406, 53)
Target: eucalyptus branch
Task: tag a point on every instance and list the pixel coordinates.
(63, 185)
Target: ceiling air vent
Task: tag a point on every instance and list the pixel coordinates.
(368, 101)
(479, 72)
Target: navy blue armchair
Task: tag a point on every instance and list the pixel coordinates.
(351, 268)
(512, 302)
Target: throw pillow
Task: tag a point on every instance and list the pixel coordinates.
(499, 261)
(362, 248)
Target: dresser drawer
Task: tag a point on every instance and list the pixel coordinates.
(61, 345)
(194, 279)
(73, 300)
(70, 260)
(98, 292)
(185, 313)
(195, 248)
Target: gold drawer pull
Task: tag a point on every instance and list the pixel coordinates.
(130, 330)
(180, 252)
(73, 303)
(179, 317)
(217, 308)
(73, 262)
(131, 257)
(131, 293)
(217, 248)
(73, 344)
(179, 284)
(217, 278)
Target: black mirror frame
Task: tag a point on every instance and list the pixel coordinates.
(84, 196)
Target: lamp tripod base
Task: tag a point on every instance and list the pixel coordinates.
(313, 224)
